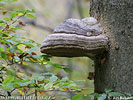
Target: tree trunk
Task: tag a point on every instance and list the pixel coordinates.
(116, 17)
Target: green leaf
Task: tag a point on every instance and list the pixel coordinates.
(77, 97)
(9, 87)
(61, 95)
(38, 77)
(53, 78)
(3, 55)
(21, 11)
(8, 79)
(47, 74)
(27, 83)
(45, 57)
(11, 41)
(65, 99)
(11, 72)
(30, 16)
(3, 41)
(64, 79)
(17, 36)
(67, 70)
(30, 11)
(128, 94)
(31, 50)
(115, 94)
(16, 58)
(102, 97)
(55, 65)
(29, 44)
(47, 86)
(96, 95)
(13, 14)
(16, 28)
(1, 49)
(7, 19)
(87, 98)
(108, 90)
(1, 21)
(2, 24)
(36, 56)
(13, 49)
(18, 81)
(73, 85)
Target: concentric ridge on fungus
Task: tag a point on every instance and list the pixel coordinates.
(87, 27)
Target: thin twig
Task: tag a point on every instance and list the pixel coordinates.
(18, 18)
(1, 95)
(47, 28)
(35, 93)
(2, 68)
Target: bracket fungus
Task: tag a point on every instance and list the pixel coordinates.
(76, 38)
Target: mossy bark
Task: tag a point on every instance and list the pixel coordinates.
(116, 72)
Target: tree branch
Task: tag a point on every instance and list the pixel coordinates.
(46, 28)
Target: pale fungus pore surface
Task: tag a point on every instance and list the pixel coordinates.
(76, 38)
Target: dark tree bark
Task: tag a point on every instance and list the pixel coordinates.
(116, 17)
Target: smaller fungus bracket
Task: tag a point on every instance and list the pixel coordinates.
(70, 39)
